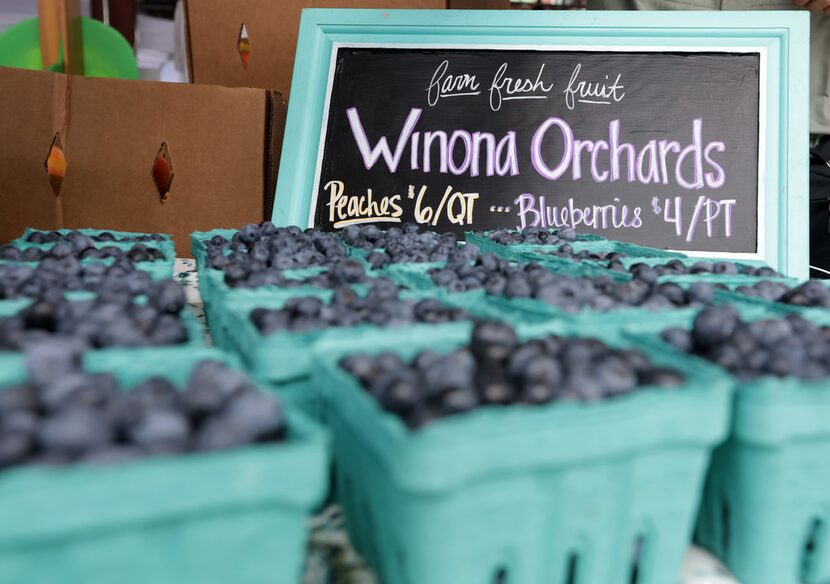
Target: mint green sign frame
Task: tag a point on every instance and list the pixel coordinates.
(781, 37)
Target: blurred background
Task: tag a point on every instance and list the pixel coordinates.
(156, 28)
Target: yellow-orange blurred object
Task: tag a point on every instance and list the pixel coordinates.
(244, 45)
(56, 165)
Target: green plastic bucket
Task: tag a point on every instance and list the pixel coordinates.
(236, 516)
(560, 493)
(106, 52)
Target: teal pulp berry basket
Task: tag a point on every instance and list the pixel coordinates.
(766, 503)
(542, 253)
(14, 361)
(199, 239)
(487, 245)
(728, 280)
(217, 295)
(285, 359)
(563, 493)
(91, 232)
(237, 516)
(531, 315)
(159, 270)
(813, 313)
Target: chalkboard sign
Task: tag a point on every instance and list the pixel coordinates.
(639, 127)
(655, 148)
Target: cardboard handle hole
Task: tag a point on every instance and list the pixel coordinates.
(243, 45)
(162, 171)
(56, 164)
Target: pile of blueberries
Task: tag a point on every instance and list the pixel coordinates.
(408, 243)
(499, 277)
(381, 307)
(783, 347)
(342, 272)
(68, 275)
(63, 415)
(109, 320)
(81, 249)
(497, 369)
(567, 251)
(811, 293)
(72, 236)
(678, 268)
(264, 248)
(531, 236)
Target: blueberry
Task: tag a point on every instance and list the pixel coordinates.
(49, 361)
(15, 447)
(449, 372)
(211, 386)
(19, 421)
(40, 315)
(399, 393)
(615, 376)
(492, 340)
(88, 390)
(74, 431)
(714, 325)
(679, 337)
(17, 398)
(155, 393)
(541, 370)
(160, 429)
(167, 296)
(249, 234)
(217, 434)
(644, 273)
(256, 415)
(701, 292)
(168, 330)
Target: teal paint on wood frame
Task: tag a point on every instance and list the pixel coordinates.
(782, 38)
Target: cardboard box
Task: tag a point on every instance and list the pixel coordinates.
(214, 26)
(222, 144)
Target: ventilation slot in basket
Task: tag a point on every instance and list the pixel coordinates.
(500, 576)
(638, 552)
(725, 524)
(812, 550)
(572, 569)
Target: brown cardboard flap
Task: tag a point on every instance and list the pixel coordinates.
(29, 122)
(215, 138)
(213, 28)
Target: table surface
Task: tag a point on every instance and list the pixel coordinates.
(331, 559)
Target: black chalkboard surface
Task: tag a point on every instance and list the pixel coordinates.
(655, 148)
